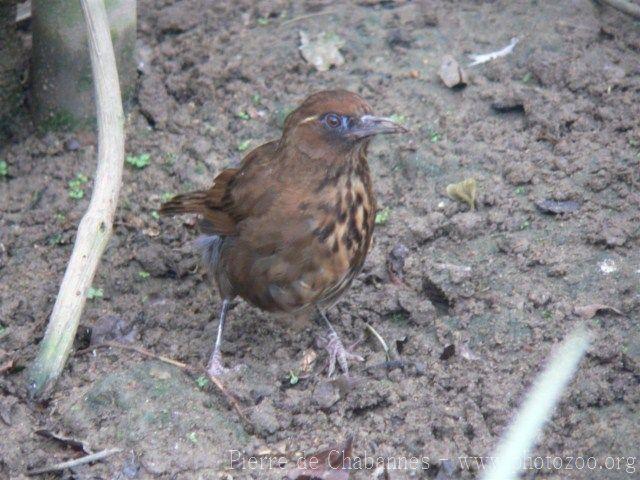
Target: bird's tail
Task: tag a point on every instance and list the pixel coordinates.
(207, 203)
(192, 202)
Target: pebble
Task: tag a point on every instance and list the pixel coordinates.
(467, 224)
(325, 395)
(519, 173)
(451, 74)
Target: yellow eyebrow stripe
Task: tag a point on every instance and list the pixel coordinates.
(309, 119)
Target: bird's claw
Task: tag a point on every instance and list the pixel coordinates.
(340, 355)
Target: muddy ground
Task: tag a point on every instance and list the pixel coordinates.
(483, 298)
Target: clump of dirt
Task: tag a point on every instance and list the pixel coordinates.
(470, 311)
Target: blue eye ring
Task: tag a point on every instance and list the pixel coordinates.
(333, 120)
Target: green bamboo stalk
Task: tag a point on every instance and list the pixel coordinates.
(62, 84)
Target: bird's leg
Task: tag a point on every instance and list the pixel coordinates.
(337, 351)
(215, 368)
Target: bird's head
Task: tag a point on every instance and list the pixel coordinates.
(334, 121)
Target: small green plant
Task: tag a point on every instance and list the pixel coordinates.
(242, 115)
(192, 437)
(525, 225)
(200, 168)
(382, 216)
(94, 293)
(202, 381)
(526, 78)
(143, 275)
(55, 239)
(398, 118)
(60, 217)
(169, 160)
(244, 145)
(263, 21)
(166, 196)
(520, 190)
(397, 317)
(4, 169)
(293, 377)
(255, 99)
(76, 186)
(139, 161)
(434, 135)
(282, 114)
(155, 215)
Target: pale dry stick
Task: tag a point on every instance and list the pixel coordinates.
(507, 462)
(96, 225)
(186, 367)
(379, 337)
(94, 457)
(132, 348)
(624, 6)
(305, 17)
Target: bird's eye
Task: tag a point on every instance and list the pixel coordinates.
(333, 120)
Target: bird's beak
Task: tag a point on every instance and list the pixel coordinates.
(368, 125)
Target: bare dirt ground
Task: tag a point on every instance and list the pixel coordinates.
(481, 301)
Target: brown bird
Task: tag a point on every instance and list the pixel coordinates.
(289, 229)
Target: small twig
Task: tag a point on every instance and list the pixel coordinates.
(132, 348)
(379, 338)
(624, 6)
(305, 17)
(232, 401)
(66, 441)
(486, 57)
(184, 366)
(75, 463)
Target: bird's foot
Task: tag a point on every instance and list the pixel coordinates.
(340, 355)
(215, 367)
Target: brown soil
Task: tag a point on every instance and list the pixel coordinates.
(479, 305)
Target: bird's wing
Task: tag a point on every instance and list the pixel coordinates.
(223, 205)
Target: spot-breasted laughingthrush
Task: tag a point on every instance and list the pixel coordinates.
(290, 228)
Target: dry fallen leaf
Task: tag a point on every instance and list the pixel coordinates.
(556, 207)
(590, 311)
(308, 361)
(323, 51)
(464, 191)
